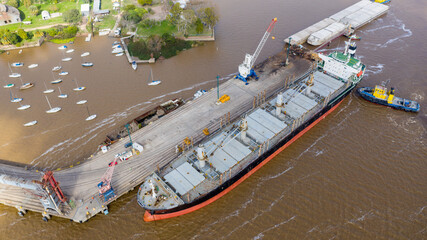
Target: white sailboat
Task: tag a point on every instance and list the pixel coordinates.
(81, 102)
(29, 124)
(17, 64)
(52, 110)
(85, 54)
(63, 73)
(33, 65)
(56, 68)
(14, 99)
(153, 82)
(77, 89)
(90, 117)
(66, 59)
(24, 107)
(55, 81)
(47, 90)
(70, 51)
(12, 74)
(62, 95)
(25, 85)
(10, 85)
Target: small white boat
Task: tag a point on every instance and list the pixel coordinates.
(79, 89)
(91, 117)
(134, 65)
(153, 83)
(62, 47)
(15, 100)
(56, 68)
(20, 51)
(26, 86)
(87, 64)
(119, 54)
(81, 102)
(116, 42)
(62, 95)
(9, 85)
(23, 107)
(116, 46)
(17, 64)
(33, 66)
(70, 51)
(63, 73)
(66, 59)
(117, 50)
(85, 54)
(14, 75)
(56, 81)
(54, 110)
(48, 91)
(29, 124)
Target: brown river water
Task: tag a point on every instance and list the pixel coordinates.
(359, 174)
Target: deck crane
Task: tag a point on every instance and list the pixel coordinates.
(245, 69)
(104, 187)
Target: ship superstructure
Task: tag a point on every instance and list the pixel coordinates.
(226, 157)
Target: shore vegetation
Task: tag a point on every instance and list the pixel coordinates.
(163, 34)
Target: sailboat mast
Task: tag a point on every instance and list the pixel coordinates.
(87, 108)
(48, 102)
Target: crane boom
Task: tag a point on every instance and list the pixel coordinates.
(263, 41)
(245, 69)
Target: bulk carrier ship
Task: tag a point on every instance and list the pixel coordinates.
(225, 158)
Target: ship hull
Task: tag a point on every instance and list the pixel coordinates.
(366, 93)
(154, 215)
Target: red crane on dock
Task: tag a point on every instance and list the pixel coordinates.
(104, 187)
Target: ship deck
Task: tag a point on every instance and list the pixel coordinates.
(79, 183)
(228, 152)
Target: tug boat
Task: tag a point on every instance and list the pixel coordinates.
(380, 95)
(224, 159)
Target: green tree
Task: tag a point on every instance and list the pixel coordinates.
(175, 13)
(9, 38)
(13, 3)
(34, 10)
(70, 31)
(145, 2)
(38, 33)
(52, 32)
(209, 17)
(53, 8)
(72, 16)
(129, 7)
(199, 26)
(27, 3)
(22, 34)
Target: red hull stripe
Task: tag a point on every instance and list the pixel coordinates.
(148, 217)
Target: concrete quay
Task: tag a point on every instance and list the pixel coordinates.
(160, 140)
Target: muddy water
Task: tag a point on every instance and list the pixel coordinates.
(359, 174)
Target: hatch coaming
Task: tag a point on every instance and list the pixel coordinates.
(228, 154)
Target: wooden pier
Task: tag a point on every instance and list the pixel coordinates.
(160, 140)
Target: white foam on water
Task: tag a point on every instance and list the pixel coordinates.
(261, 234)
(376, 69)
(396, 24)
(52, 149)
